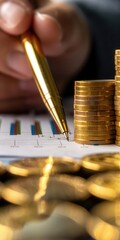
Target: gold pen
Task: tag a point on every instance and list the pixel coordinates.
(44, 80)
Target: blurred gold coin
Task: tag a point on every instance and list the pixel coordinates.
(117, 73)
(2, 168)
(1, 188)
(67, 221)
(95, 142)
(105, 185)
(117, 51)
(14, 218)
(117, 78)
(34, 189)
(37, 166)
(91, 138)
(104, 222)
(101, 161)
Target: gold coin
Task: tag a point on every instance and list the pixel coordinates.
(105, 142)
(117, 138)
(92, 98)
(108, 82)
(97, 113)
(101, 161)
(117, 67)
(96, 123)
(1, 188)
(117, 108)
(117, 73)
(2, 168)
(105, 185)
(94, 103)
(94, 132)
(117, 51)
(117, 118)
(116, 97)
(92, 108)
(95, 128)
(117, 124)
(117, 113)
(92, 138)
(117, 143)
(69, 218)
(33, 189)
(97, 93)
(117, 78)
(37, 166)
(92, 118)
(104, 221)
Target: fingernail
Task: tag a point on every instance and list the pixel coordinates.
(11, 13)
(17, 62)
(47, 18)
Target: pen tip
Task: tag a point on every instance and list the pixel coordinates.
(66, 135)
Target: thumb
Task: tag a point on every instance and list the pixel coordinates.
(15, 16)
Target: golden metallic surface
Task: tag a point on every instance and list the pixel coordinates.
(67, 221)
(1, 188)
(94, 142)
(44, 80)
(101, 161)
(104, 222)
(93, 138)
(95, 128)
(96, 114)
(105, 185)
(33, 189)
(93, 122)
(117, 52)
(2, 168)
(13, 219)
(94, 132)
(37, 166)
(95, 103)
(97, 83)
(92, 98)
(92, 108)
(95, 93)
(93, 118)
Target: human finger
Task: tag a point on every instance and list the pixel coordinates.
(15, 16)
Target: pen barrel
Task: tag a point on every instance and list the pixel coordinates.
(44, 79)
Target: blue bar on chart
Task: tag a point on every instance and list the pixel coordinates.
(15, 128)
(36, 128)
(54, 127)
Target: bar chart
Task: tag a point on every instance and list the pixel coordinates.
(29, 135)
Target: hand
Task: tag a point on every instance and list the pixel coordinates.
(64, 37)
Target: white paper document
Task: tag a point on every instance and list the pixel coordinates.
(32, 136)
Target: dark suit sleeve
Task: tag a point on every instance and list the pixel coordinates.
(103, 17)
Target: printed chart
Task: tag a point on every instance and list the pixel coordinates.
(24, 136)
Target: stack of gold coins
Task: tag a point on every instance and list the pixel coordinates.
(105, 185)
(117, 95)
(94, 115)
